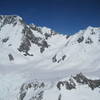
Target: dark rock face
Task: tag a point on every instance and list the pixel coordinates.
(59, 98)
(22, 93)
(42, 49)
(39, 96)
(80, 79)
(36, 28)
(68, 84)
(59, 84)
(28, 38)
(44, 45)
(67, 36)
(1, 18)
(7, 19)
(11, 58)
(5, 40)
(35, 86)
(25, 46)
(52, 33)
(47, 35)
(80, 39)
(88, 41)
(63, 57)
(54, 59)
(92, 32)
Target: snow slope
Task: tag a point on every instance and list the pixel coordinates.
(29, 53)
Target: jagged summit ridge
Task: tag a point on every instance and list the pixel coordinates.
(10, 19)
(32, 42)
(16, 17)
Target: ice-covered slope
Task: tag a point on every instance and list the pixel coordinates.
(29, 53)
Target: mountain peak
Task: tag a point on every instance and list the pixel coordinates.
(10, 19)
(10, 16)
(90, 27)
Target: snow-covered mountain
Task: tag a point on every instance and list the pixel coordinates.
(37, 63)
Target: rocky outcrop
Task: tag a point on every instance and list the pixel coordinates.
(28, 39)
(36, 86)
(80, 39)
(78, 79)
(54, 59)
(88, 41)
(11, 58)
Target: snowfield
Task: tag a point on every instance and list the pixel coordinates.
(33, 60)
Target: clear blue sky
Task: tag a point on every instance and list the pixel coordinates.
(64, 16)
